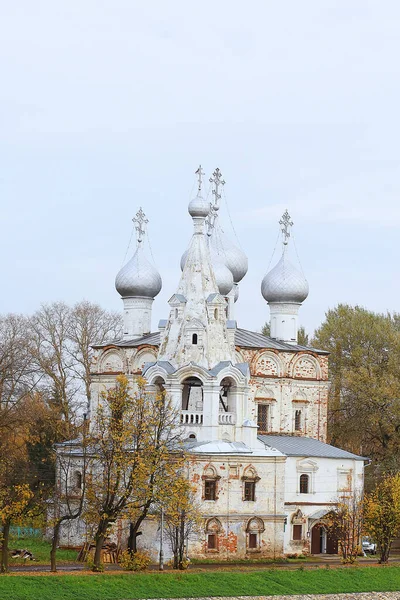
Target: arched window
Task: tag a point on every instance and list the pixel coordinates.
(304, 484)
(194, 339)
(249, 479)
(192, 436)
(297, 420)
(254, 529)
(210, 479)
(213, 528)
(176, 313)
(216, 314)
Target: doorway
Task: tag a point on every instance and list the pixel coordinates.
(321, 542)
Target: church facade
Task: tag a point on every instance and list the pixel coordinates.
(253, 409)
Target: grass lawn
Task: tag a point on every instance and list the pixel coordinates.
(40, 550)
(214, 583)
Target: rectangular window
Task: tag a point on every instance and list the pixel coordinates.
(210, 489)
(297, 420)
(249, 491)
(262, 417)
(252, 540)
(297, 531)
(212, 541)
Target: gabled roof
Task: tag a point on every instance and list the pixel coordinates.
(293, 445)
(243, 339)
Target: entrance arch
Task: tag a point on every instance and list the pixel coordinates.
(322, 542)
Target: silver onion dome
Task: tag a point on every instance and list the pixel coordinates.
(198, 207)
(284, 283)
(233, 257)
(138, 277)
(223, 275)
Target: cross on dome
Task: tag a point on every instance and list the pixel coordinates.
(140, 221)
(199, 174)
(286, 225)
(216, 180)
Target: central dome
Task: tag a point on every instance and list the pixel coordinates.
(233, 257)
(284, 283)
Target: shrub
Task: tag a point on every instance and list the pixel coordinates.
(139, 561)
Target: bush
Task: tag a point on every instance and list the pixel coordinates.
(139, 561)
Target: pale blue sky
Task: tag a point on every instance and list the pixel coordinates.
(109, 105)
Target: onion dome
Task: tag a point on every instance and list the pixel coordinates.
(284, 283)
(223, 275)
(198, 207)
(234, 258)
(138, 277)
(183, 259)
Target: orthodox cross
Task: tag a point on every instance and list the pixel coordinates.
(210, 221)
(200, 174)
(216, 180)
(140, 222)
(286, 225)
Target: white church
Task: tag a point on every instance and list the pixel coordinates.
(253, 409)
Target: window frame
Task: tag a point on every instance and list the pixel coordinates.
(249, 485)
(210, 484)
(304, 477)
(298, 528)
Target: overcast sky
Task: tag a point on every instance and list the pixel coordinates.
(109, 105)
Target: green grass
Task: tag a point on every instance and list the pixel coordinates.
(40, 550)
(213, 583)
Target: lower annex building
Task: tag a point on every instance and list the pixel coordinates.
(253, 408)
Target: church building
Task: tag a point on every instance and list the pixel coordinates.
(253, 409)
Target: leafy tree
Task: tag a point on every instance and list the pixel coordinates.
(135, 450)
(302, 336)
(364, 407)
(345, 524)
(181, 517)
(266, 329)
(382, 514)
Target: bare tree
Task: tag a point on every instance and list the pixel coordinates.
(60, 339)
(49, 349)
(16, 371)
(89, 324)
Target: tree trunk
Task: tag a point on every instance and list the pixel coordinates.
(4, 551)
(54, 545)
(134, 533)
(99, 539)
(182, 539)
(385, 551)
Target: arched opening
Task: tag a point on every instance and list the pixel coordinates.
(194, 339)
(192, 436)
(227, 401)
(159, 385)
(216, 314)
(322, 542)
(176, 313)
(192, 401)
(304, 484)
